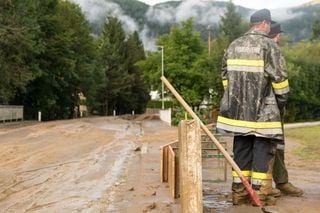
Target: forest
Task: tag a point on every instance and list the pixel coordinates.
(49, 53)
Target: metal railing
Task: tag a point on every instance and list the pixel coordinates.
(11, 113)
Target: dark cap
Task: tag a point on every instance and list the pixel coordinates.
(260, 16)
(275, 29)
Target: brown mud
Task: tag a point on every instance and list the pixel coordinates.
(109, 164)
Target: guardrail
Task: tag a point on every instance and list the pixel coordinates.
(11, 113)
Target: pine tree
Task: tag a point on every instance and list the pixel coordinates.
(139, 95)
(231, 27)
(316, 30)
(231, 23)
(115, 65)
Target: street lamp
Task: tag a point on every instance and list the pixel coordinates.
(162, 74)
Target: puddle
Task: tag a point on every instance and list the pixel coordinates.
(218, 203)
(155, 124)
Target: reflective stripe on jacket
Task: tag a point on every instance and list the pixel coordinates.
(255, 79)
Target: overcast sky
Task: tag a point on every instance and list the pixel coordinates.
(255, 4)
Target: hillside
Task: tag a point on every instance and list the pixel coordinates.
(152, 21)
(299, 22)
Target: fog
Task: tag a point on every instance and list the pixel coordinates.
(203, 12)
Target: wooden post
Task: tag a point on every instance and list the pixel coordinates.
(39, 116)
(190, 166)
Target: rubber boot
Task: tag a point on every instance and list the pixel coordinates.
(240, 196)
(266, 193)
(275, 192)
(289, 189)
(266, 200)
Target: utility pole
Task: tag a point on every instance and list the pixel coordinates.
(162, 74)
(209, 40)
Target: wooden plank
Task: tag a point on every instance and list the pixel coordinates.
(161, 164)
(190, 166)
(171, 171)
(171, 143)
(165, 164)
(177, 175)
(164, 160)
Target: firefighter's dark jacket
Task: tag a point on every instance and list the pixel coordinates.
(255, 79)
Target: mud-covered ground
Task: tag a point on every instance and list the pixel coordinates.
(108, 164)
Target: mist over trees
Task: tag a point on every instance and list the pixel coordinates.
(154, 21)
(48, 56)
(49, 53)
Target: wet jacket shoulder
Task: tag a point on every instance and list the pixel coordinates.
(254, 76)
(280, 81)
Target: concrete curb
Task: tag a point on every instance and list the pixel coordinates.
(298, 125)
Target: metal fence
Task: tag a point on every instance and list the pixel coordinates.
(11, 113)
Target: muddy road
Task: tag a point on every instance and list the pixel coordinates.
(110, 164)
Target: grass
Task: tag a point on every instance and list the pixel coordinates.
(310, 141)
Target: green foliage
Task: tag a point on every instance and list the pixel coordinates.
(114, 64)
(139, 92)
(218, 47)
(304, 79)
(157, 104)
(179, 113)
(151, 68)
(66, 62)
(18, 47)
(231, 24)
(48, 55)
(183, 55)
(123, 89)
(316, 29)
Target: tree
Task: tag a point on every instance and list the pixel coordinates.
(183, 50)
(18, 47)
(139, 96)
(316, 30)
(219, 45)
(231, 27)
(304, 80)
(115, 66)
(84, 54)
(65, 61)
(231, 23)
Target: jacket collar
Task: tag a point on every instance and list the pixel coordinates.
(253, 31)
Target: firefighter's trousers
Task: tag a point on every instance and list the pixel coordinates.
(280, 172)
(255, 158)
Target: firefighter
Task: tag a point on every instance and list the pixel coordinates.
(280, 172)
(256, 87)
